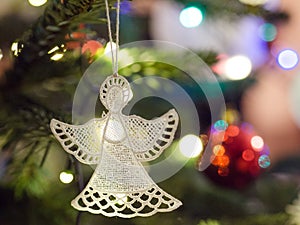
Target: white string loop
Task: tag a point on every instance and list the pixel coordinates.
(114, 55)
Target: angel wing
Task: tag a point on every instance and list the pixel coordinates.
(82, 141)
(148, 138)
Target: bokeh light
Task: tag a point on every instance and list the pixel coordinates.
(248, 155)
(267, 32)
(191, 17)
(59, 52)
(190, 146)
(238, 67)
(231, 115)
(233, 131)
(221, 125)
(57, 56)
(219, 150)
(16, 48)
(54, 49)
(264, 161)
(254, 2)
(37, 3)
(287, 59)
(223, 161)
(257, 143)
(125, 7)
(66, 177)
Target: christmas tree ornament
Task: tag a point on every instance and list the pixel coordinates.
(117, 144)
(238, 155)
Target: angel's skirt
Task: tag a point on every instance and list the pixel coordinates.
(120, 186)
(126, 205)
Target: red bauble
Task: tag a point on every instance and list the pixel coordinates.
(238, 155)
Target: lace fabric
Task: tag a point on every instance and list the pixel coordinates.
(117, 144)
(126, 205)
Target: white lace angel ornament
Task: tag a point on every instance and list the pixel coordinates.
(117, 144)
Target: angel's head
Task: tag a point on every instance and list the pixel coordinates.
(115, 93)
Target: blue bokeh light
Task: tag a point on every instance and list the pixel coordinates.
(191, 17)
(125, 7)
(264, 161)
(267, 32)
(287, 59)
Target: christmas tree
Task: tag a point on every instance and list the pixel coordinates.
(53, 64)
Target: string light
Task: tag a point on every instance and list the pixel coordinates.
(191, 17)
(66, 177)
(16, 48)
(238, 67)
(190, 146)
(57, 56)
(37, 3)
(56, 48)
(287, 59)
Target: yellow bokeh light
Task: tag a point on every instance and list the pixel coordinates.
(219, 150)
(56, 48)
(238, 67)
(37, 3)
(14, 48)
(66, 177)
(57, 56)
(190, 146)
(254, 2)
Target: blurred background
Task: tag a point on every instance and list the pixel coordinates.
(252, 48)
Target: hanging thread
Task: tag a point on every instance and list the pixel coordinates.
(114, 56)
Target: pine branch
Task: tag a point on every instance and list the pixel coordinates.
(26, 118)
(46, 153)
(59, 19)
